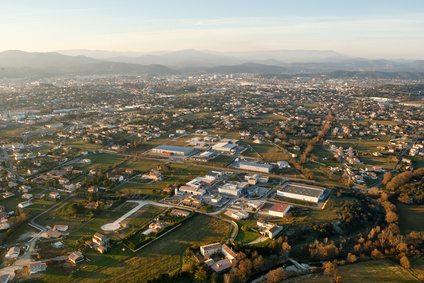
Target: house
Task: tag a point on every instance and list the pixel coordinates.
(101, 249)
(52, 234)
(92, 189)
(180, 213)
(25, 204)
(100, 239)
(37, 266)
(211, 249)
(76, 257)
(269, 230)
(229, 253)
(156, 226)
(54, 195)
(221, 266)
(8, 195)
(13, 252)
(61, 228)
(92, 205)
(26, 196)
(117, 178)
(240, 215)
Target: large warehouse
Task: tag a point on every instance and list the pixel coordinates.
(265, 168)
(301, 192)
(173, 150)
(224, 147)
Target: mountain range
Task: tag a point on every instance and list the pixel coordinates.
(14, 63)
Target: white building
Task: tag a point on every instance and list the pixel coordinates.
(240, 215)
(173, 150)
(224, 147)
(265, 168)
(279, 210)
(233, 188)
(301, 192)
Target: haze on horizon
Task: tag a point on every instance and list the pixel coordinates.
(370, 29)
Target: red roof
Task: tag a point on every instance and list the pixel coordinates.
(279, 207)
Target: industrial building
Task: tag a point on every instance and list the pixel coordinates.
(233, 188)
(265, 168)
(173, 150)
(224, 147)
(301, 192)
(279, 209)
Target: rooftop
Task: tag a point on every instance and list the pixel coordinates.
(301, 189)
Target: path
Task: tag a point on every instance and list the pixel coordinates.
(258, 240)
(116, 224)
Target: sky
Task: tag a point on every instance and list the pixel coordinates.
(370, 29)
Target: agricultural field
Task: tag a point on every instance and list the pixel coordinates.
(163, 255)
(411, 217)
(102, 161)
(370, 271)
(267, 151)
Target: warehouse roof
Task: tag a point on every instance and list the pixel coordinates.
(186, 150)
(301, 189)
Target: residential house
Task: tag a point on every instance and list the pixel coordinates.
(100, 239)
(13, 252)
(76, 257)
(37, 266)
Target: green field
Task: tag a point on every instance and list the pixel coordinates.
(103, 161)
(370, 271)
(163, 255)
(417, 265)
(246, 236)
(411, 217)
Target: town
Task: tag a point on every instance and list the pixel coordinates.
(212, 177)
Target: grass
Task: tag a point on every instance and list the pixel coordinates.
(411, 217)
(103, 160)
(417, 265)
(370, 271)
(267, 151)
(162, 256)
(246, 236)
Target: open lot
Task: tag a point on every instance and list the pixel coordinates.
(411, 217)
(370, 271)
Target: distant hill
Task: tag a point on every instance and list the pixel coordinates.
(20, 64)
(15, 63)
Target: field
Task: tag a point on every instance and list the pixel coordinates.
(102, 161)
(417, 265)
(267, 151)
(411, 217)
(163, 255)
(370, 271)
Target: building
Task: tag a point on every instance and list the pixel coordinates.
(37, 266)
(229, 253)
(279, 209)
(192, 190)
(233, 188)
(60, 228)
(13, 252)
(52, 234)
(264, 168)
(173, 150)
(269, 230)
(180, 213)
(224, 147)
(211, 249)
(76, 257)
(240, 215)
(301, 192)
(221, 266)
(100, 239)
(24, 204)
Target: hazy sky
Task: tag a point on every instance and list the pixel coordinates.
(372, 28)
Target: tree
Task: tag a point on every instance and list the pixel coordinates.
(351, 258)
(286, 248)
(200, 275)
(387, 177)
(404, 262)
(328, 268)
(258, 263)
(245, 267)
(276, 275)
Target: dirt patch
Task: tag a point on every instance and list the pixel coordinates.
(45, 251)
(27, 235)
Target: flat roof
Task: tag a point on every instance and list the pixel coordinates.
(301, 189)
(184, 149)
(257, 165)
(279, 207)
